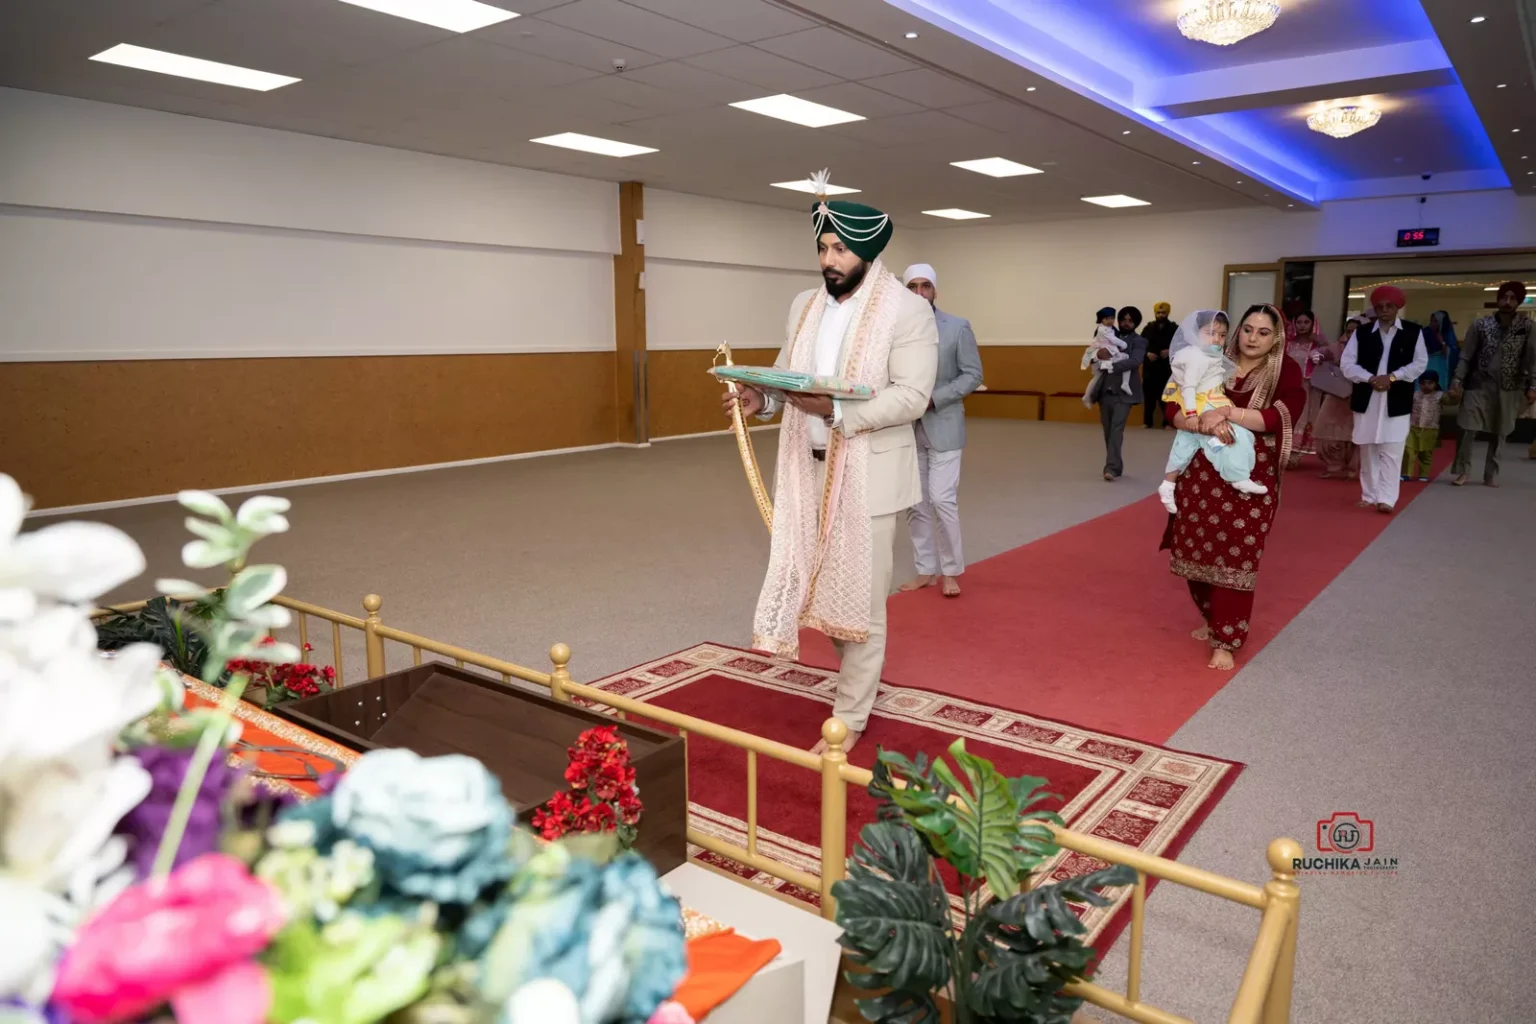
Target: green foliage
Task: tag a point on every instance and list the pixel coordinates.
(1028, 946)
(895, 918)
(1010, 957)
(172, 625)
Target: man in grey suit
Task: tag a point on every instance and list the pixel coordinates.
(940, 441)
(1114, 404)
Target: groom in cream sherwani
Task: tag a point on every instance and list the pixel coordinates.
(833, 573)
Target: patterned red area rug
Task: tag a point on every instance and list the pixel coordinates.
(1129, 791)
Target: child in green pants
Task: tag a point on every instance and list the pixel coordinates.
(1423, 428)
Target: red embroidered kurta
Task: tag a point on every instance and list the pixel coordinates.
(1218, 534)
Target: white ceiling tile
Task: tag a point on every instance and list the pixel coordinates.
(632, 26)
(745, 21)
(465, 65)
(929, 88)
(760, 68)
(859, 99)
(547, 39)
(635, 99)
(677, 76)
(837, 54)
(922, 128)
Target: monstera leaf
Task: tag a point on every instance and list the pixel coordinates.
(1030, 945)
(910, 793)
(894, 913)
(1035, 841)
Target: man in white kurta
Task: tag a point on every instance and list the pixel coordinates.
(1385, 361)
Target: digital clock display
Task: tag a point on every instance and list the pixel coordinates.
(1409, 237)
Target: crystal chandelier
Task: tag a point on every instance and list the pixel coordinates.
(1224, 22)
(1342, 122)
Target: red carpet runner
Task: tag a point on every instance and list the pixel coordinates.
(1088, 625)
(1135, 793)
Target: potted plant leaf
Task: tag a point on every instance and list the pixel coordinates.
(1010, 953)
(172, 625)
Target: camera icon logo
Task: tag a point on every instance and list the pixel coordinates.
(1346, 832)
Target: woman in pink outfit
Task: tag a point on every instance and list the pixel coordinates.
(1307, 348)
(1333, 424)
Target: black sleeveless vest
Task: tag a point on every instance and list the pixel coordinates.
(1368, 351)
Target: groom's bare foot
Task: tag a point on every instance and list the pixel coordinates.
(1221, 661)
(853, 737)
(1203, 633)
(917, 584)
(951, 586)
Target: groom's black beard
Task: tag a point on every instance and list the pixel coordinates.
(839, 285)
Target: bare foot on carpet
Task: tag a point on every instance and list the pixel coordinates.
(1490, 483)
(1221, 661)
(1384, 509)
(951, 587)
(1365, 504)
(1459, 480)
(1329, 474)
(853, 737)
(917, 584)
(1203, 633)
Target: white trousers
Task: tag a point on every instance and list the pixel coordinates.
(1381, 469)
(859, 665)
(935, 521)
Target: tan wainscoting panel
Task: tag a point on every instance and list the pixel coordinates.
(681, 395)
(80, 432)
(1047, 368)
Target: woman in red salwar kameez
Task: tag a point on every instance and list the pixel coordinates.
(1217, 536)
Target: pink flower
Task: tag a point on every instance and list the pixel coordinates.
(671, 1012)
(187, 940)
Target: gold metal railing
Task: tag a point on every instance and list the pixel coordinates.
(1263, 995)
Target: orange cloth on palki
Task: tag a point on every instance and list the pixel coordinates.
(819, 565)
(718, 966)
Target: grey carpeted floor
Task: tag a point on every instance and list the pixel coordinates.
(1406, 692)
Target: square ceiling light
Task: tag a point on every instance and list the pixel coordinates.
(996, 167)
(453, 15)
(592, 144)
(164, 63)
(797, 111)
(805, 185)
(955, 214)
(1115, 202)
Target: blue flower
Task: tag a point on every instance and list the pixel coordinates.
(611, 934)
(438, 827)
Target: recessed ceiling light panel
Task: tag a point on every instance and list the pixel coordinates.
(809, 187)
(592, 144)
(798, 111)
(954, 214)
(1115, 202)
(996, 167)
(164, 63)
(453, 15)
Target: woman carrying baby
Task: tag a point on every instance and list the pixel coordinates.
(1217, 535)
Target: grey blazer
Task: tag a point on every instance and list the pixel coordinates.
(959, 375)
(1135, 354)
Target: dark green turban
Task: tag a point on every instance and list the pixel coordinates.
(863, 229)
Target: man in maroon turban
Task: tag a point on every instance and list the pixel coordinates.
(1384, 361)
(1495, 380)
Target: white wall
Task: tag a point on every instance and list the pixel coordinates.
(722, 271)
(1040, 284)
(136, 234)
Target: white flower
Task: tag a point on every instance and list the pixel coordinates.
(59, 817)
(544, 1001)
(73, 706)
(71, 562)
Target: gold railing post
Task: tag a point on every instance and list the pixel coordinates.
(373, 644)
(1282, 889)
(834, 813)
(560, 656)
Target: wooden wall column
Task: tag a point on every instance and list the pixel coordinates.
(630, 418)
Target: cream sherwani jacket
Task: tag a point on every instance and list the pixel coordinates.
(888, 417)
